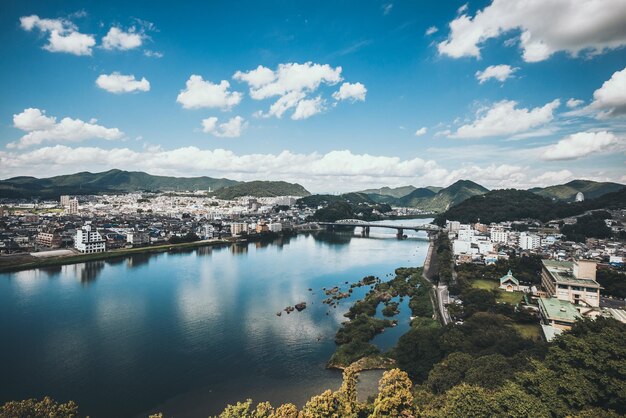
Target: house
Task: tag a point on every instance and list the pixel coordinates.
(509, 283)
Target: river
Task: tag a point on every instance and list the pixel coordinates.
(187, 332)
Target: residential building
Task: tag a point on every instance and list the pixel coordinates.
(65, 201)
(138, 238)
(529, 241)
(275, 227)
(499, 235)
(72, 207)
(48, 239)
(573, 282)
(238, 228)
(88, 240)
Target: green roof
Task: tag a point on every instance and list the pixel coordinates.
(558, 310)
(509, 276)
(561, 271)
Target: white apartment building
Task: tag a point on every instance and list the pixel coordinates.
(465, 233)
(138, 238)
(65, 201)
(275, 227)
(88, 240)
(499, 235)
(529, 241)
(72, 207)
(207, 231)
(572, 282)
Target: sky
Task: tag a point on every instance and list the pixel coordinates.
(337, 96)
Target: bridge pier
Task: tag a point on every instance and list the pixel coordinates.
(365, 231)
(400, 233)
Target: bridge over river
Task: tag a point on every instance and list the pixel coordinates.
(367, 225)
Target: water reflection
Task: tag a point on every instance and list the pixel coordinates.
(89, 271)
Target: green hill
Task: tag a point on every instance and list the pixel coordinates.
(112, 181)
(512, 205)
(261, 189)
(315, 200)
(567, 192)
(396, 192)
(445, 198)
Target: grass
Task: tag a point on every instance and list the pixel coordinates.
(511, 298)
(530, 331)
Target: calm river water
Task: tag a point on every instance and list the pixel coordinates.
(187, 332)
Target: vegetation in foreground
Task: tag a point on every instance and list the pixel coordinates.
(581, 375)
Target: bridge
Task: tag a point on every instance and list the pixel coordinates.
(367, 225)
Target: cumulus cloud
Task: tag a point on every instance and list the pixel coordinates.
(546, 27)
(431, 30)
(42, 128)
(504, 118)
(63, 35)
(573, 103)
(120, 83)
(153, 54)
(610, 99)
(421, 131)
(498, 72)
(582, 144)
(292, 83)
(199, 93)
(553, 177)
(230, 129)
(351, 91)
(117, 38)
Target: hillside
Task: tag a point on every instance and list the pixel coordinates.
(567, 192)
(112, 181)
(396, 192)
(445, 198)
(512, 205)
(261, 189)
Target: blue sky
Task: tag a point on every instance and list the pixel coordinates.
(342, 90)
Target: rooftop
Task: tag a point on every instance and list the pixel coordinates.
(561, 271)
(558, 310)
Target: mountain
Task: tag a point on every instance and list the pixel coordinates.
(445, 198)
(315, 200)
(388, 191)
(112, 181)
(261, 189)
(512, 205)
(567, 192)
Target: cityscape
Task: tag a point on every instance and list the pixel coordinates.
(291, 210)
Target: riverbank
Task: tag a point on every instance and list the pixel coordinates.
(20, 262)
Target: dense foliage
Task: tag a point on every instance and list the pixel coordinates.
(588, 226)
(345, 210)
(511, 204)
(261, 189)
(33, 408)
(443, 249)
(613, 281)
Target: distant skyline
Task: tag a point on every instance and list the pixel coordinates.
(335, 96)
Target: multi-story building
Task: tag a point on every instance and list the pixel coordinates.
(48, 239)
(238, 228)
(574, 282)
(72, 207)
(529, 241)
(275, 227)
(65, 201)
(138, 238)
(499, 235)
(88, 240)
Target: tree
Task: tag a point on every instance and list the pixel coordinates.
(325, 405)
(468, 401)
(418, 350)
(513, 402)
(394, 396)
(288, 410)
(33, 408)
(449, 372)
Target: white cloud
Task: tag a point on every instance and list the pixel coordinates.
(387, 8)
(421, 131)
(120, 83)
(63, 35)
(307, 108)
(462, 9)
(292, 83)
(431, 30)
(339, 170)
(610, 99)
(153, 54)
(230, 129)
(572, 103)
(43, 128)
(547, 27)
(504, 118)
(351, 91)
(553, 177)
(199, 94)
(498, 72)
(581, 144)
(116, 38)
(33, 119)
